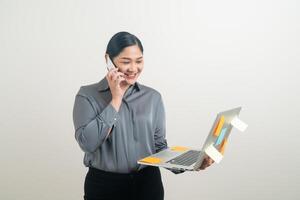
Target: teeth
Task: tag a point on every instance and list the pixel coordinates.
(130, 75)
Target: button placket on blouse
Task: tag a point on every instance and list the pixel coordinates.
(131, 129)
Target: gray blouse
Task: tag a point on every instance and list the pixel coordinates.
(138, 128)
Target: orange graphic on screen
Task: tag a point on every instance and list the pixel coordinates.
(219, 126)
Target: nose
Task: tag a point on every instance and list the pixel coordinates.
(133, 68)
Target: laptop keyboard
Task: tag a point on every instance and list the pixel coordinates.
(186, 159)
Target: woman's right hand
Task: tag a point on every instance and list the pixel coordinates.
(117, 86)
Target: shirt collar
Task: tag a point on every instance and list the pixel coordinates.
(103, 85)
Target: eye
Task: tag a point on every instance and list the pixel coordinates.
(125, 63)
(140, 61)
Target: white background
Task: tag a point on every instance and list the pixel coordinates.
(203, 56)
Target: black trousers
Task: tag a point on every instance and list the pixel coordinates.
(143, 185)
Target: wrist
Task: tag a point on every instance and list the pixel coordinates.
(116, 103)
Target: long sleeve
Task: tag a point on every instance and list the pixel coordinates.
(160, 132)
(91, 127)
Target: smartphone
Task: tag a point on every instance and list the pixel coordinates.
(110, 65)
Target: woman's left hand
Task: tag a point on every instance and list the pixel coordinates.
(207, 161)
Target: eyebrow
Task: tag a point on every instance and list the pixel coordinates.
(130, 58)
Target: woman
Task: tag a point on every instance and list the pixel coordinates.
(119, 121)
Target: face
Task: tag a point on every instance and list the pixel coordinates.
(130, 62)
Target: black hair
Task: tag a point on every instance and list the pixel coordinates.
(121, 40)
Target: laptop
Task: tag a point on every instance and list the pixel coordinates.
(190, 159)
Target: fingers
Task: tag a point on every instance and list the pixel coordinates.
(207, 161)
(111, 72)
(118, 77)
(204, 164)
(115, 76)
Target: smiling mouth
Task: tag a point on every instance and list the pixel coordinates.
(131, 76)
